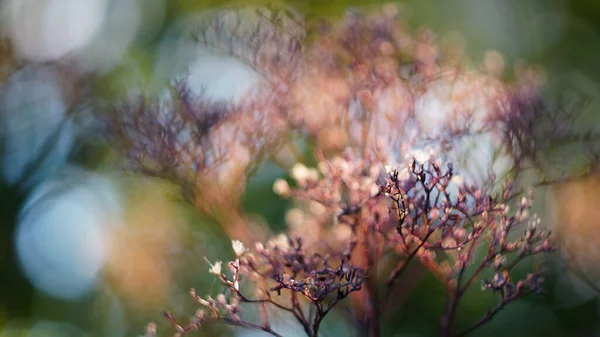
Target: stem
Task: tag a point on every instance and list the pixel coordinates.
(299, 313)
(490, 314)
(402, 264)
(456, 292)
(451, 308)
(243, 324)
(318, 318)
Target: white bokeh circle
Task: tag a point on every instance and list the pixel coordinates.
(62, 238)
(36, 132)
(44, 30)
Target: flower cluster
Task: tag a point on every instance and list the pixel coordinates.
(287, 277)
(461, 233)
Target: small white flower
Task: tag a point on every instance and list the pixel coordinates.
(524, 202)
(300, 172)
(238, 247)
(281, 187)
(215, 268)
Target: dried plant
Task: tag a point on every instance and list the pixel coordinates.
(461, 233)
(393, 117)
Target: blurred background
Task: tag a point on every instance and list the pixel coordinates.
(89, 248)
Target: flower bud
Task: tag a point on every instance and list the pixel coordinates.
(281, 187)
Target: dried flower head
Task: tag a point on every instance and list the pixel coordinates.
(215, 268)
(238, 247)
